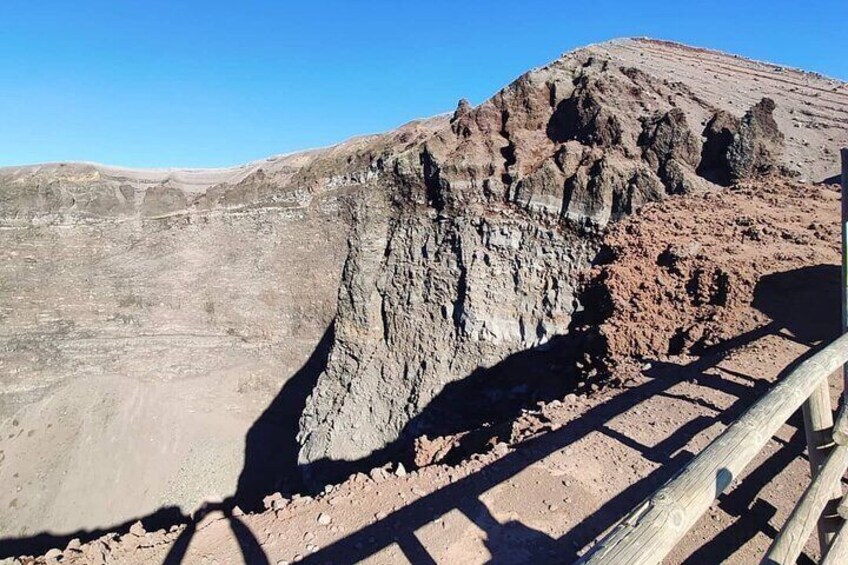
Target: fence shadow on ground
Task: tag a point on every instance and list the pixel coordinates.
(271, 448)
(792, 299)
(464, 495)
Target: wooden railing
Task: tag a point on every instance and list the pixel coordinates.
(653, 528)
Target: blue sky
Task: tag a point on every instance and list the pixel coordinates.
(214, 83)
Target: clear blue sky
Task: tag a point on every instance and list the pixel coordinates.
(214, 83)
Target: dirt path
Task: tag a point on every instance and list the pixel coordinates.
(576, 467)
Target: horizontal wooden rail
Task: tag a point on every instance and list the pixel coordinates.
(653, 528)
(791, 540)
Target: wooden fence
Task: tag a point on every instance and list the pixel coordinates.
(653, 528)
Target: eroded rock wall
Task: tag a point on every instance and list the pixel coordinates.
(469, 247)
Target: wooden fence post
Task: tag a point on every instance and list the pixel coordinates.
(818, 415)
(844, 293)
(790, 542)
(818, 428)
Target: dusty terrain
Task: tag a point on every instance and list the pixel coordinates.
(556, 476)
(533, 305)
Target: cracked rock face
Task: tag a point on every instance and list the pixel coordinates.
(468, 250)
(758, 145)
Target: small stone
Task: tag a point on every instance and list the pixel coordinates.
(311, 548)
(308, 536)
(74, 545)
(237, 511)
(324, 519)
(137, 529)
(53, 554)
(378, 475)
(273, 501)
(400, 471)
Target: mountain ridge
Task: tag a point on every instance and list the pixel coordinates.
(602, 45)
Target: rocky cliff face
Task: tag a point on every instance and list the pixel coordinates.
(468, 250)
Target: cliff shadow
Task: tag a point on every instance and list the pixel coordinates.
(477, 409)
(270, 465)
(271, 447)
(270, 459)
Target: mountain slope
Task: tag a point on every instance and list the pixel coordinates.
(153, 321)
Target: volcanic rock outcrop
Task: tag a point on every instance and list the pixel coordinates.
(471, 255)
